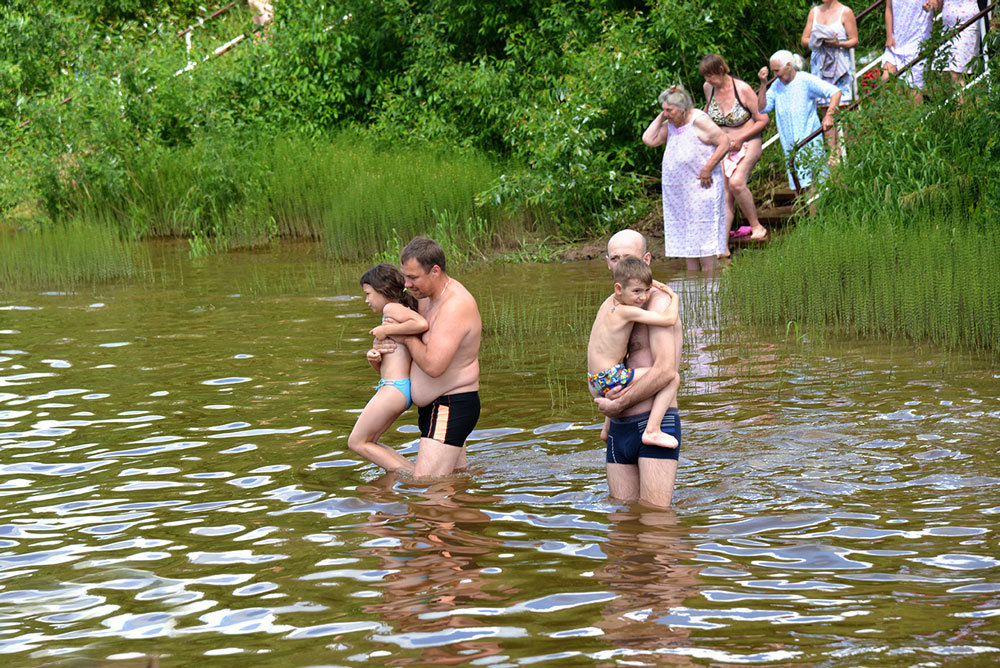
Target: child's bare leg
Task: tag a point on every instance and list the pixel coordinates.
(381, 411)
(604, 429)
(653, 435)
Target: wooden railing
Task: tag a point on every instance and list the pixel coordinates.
(868, 10)
(202, 21)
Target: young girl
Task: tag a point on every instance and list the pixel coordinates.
(383, 286)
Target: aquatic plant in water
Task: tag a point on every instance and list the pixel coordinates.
(65, 256)
(925, 281)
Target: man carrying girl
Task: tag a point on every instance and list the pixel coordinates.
(444, 373)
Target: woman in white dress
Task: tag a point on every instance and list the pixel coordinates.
(693, 186)
(907, 25)
(965, 45)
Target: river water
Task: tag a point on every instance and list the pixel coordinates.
(175, 482)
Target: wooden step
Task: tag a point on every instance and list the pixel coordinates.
(783, 195)
(775, 216)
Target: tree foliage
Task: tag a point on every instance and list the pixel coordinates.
(558, 91)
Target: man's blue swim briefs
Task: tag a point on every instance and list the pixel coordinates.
(625, 444)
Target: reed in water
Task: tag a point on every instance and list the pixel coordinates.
(64, 257)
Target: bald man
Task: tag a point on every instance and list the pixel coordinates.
(637, 471)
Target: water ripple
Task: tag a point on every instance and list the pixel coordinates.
(160, 501)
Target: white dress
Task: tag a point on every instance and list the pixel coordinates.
(911, 25)
(964, 46)
(694, 218)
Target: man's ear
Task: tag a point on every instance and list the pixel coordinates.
(435, 271)
(647, 258)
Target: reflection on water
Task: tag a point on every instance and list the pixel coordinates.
(175, 484)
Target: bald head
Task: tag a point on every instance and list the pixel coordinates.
(625, 243)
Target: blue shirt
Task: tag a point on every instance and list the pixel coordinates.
(794, 106)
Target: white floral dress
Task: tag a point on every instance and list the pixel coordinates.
(964, 46)
(911, 25)
(694, 218)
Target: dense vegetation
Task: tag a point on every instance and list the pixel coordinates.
(905, 242)
(554, 94)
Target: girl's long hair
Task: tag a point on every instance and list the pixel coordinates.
(388, 281)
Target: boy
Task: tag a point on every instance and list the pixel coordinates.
(609, 342)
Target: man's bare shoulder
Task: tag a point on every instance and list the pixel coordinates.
(460, 305)
(658, 300)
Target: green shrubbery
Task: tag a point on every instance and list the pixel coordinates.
(555, 93)
(905, 242)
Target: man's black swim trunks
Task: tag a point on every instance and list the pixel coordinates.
(450, 418)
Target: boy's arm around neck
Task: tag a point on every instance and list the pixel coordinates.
(665, 318)
(664, 368)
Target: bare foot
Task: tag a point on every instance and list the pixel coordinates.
(759, 232)
(659, 438)
(604, 433)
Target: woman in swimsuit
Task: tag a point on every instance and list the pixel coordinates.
(732, 105)
(383, 285)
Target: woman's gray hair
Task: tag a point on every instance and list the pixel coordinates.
(785, 56)
(676, 96)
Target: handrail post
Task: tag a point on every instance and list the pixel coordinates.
(795, 175)
(854, 77)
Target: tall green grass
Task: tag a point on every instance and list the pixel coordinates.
(539, 332)
(357, 197)
(65, 257)
(925, 281)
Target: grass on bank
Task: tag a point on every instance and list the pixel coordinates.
(904, 244)
(64, 257)
(925, 281)
(360, 199)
